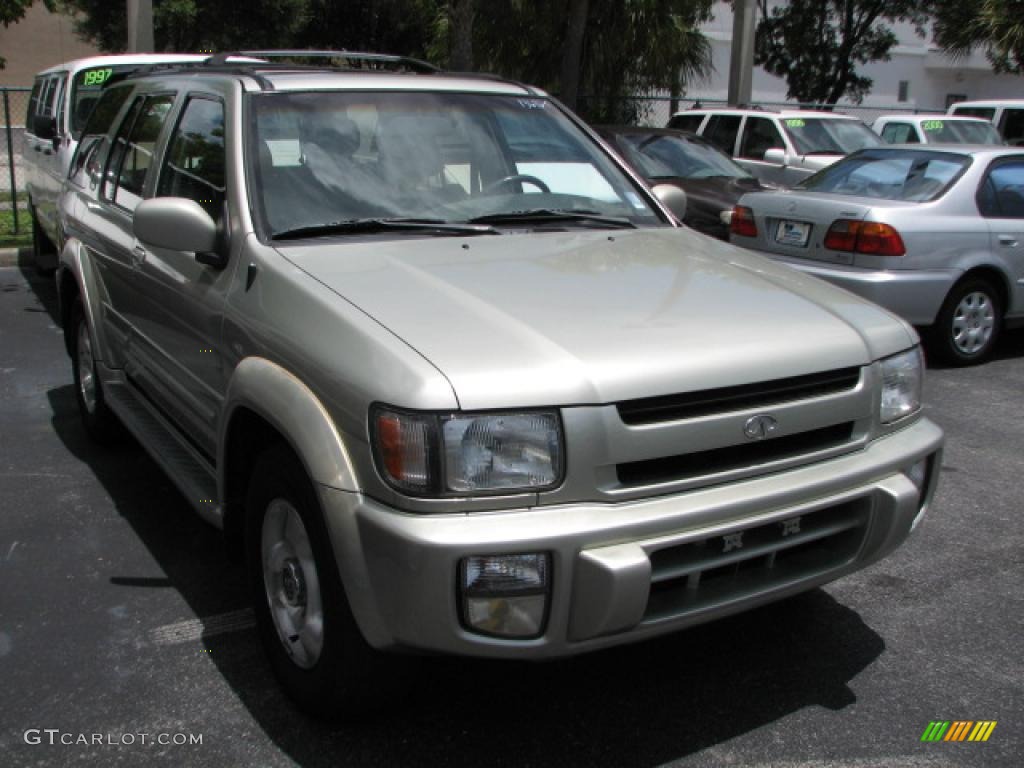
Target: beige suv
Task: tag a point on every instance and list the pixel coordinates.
(456, 381)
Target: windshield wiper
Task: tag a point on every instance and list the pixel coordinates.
(372, 226)
(552, 215)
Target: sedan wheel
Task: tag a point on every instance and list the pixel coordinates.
(968, 325)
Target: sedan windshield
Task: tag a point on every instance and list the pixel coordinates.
(394, 163)
(911, 175)
(829, 136)
(659, 156)
(960, 132)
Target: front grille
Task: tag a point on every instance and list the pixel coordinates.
(752, 561)
(717, 460)
(651, 410)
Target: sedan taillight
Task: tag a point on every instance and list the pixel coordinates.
(869, 237)
(743, 222)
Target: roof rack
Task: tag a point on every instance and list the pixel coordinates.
(356, 59)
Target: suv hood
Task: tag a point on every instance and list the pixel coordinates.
(587, 316)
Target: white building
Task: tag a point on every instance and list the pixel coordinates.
(918, 76)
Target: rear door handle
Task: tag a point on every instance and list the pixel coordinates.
(1008, 240)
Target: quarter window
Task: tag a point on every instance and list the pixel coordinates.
(132, 154)
(1002, 194)
(194, 167)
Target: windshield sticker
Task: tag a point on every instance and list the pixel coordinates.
(96, 76)
(932, 125)
(796, 122)
(533, 103)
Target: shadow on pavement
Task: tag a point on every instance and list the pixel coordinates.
(643, 704)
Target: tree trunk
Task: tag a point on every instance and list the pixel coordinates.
(573, 52)
(462, 15)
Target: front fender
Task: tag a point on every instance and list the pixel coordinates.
(292, 408)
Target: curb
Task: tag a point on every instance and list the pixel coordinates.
(14, 257)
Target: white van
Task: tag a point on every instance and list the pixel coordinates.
(1006, 114)
(62, 100)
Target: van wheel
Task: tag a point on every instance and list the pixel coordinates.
(315, 648)
(968, 325)
(100, 422)
(43, 251)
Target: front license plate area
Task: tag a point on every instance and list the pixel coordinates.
(792, 233)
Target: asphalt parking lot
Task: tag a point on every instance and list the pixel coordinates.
(121, 616)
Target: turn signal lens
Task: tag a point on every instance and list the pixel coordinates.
(743, 222)
(404, 445)
(868, 237)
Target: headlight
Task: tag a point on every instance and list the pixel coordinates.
(902, 380)
(468, 453)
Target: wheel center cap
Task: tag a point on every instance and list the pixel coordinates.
(293, 583)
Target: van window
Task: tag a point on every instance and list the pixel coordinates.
(33, 104)
(984, 112)
(686, 122)
(721, 131)
(1012, 125)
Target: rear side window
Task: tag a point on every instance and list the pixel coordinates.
(1002, 194)
(1012, 125)
(686, 122)
(194, 167)
(33, 102)
(900, 133)
(760, 135)
(95, 142)
(132, 154)
(721, 131)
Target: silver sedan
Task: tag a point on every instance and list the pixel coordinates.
(936, 236)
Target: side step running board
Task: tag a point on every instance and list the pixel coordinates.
(190, 472)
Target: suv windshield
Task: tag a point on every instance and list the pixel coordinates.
(911, 175)
(960, 132)
(659, 156)
(829, 136)
(333, 161)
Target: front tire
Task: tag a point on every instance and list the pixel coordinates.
(99, 421)
(315, 648)
(968, 325)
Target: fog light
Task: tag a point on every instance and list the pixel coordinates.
(505, 595)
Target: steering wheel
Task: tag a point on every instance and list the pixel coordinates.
(520, 177)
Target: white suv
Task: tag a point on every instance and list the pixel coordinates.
(62, 100)
(781, 147)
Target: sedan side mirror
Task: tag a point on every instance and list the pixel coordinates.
(671, 197)
(178, 224)
(775, 156)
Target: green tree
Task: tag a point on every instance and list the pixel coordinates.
(817, 45)
(624, 48)
(995, 26)
(12, 11)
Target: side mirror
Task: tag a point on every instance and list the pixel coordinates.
(45, 127)
(671, 197)
(775, 156)
(178, 224)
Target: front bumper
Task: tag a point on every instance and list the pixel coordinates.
(400, 569)
(914, 295)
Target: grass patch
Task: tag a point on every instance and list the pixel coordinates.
(5, 197)
(8, 238)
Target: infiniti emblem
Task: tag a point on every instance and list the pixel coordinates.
(759, 427)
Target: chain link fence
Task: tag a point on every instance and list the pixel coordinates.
(14, 219)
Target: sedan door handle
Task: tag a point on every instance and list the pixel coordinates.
(138, 255)
(1008, 240)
